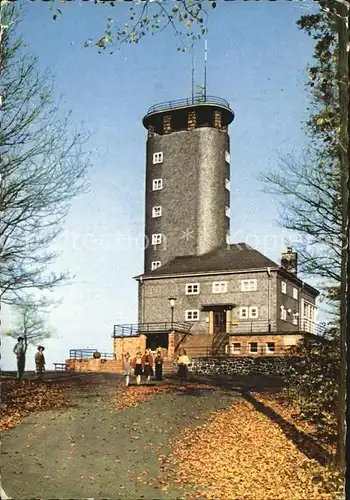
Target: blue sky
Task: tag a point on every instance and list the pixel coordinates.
(256, 60)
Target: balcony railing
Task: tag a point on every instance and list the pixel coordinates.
(137, 329)
(264, 326)
(89, 354)
(179, 103)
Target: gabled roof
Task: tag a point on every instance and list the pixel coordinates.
(229, 258)
(236, 257)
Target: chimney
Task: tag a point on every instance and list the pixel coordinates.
(289, 261)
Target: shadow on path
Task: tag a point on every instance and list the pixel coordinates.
(305, 443)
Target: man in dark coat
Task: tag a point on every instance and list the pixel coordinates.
(20, 352)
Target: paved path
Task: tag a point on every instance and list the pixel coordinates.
(95, 451)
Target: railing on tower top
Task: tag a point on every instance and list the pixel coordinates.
(199, 99)
(137, 329)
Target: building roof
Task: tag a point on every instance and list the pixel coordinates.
(229, 258)
(236, 257)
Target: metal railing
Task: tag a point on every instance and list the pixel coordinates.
(265, 326)
(228, 351)
(89, 354)
(136, 329)
(199, 99)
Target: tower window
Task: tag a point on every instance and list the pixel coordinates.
(157, 158)
(192, 315)
(155, 264)
(192, 289)
(156, 211)
(157, 184)
(283, 313)
(156, 239)
(283, 287)
(295, 293)
(227, 184)
(219, 287)
(228, 239)
(227, 157)
(227, 212)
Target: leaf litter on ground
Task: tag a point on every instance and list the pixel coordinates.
(241, 454)
(20, 398)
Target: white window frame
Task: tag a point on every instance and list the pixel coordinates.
(295, 293)
(192, 315)
(251, 308)
(232, 347)
(156, 238)
(155, 264)
(156, 211)
(192, 289)
(219, 287)
(283, 287)
(283, 314)
(227, 212)
(242, 310)
(227, 157)
(295, 320)
(249, 285)
(157, 184)
(268, 348)
(228, 184)
(157, 158)
(250, 348)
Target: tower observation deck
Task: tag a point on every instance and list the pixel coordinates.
(187, 178)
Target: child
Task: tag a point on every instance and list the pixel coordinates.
(182, 364)
(158, 361)
(40, 362)
(147, 363)
(137, 365)
(127, 368)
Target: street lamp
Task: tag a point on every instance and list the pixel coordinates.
(172, 305)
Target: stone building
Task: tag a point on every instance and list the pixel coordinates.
(197, 289)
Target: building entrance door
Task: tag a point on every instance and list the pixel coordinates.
(219, 321)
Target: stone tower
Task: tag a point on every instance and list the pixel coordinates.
(187, 179)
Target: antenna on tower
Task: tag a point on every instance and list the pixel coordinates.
(192, 72)
(205, 68)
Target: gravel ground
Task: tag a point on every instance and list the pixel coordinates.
(95, 451)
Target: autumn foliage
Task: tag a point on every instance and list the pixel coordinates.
(19, 399)
(313, 385)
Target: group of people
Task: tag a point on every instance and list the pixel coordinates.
(20, 353)
(142, 365)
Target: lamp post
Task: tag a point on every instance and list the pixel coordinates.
(172, 305)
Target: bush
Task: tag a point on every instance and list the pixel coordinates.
(312, 383)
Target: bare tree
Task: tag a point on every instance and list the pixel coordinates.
(30, 325)
(42, 168)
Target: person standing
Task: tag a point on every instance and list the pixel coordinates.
(137, 365)
(182, 364)
(40, 362)
(20, 352)
(147, 364)
(158, 362)
(127, 368)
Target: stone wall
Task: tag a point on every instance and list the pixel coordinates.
(241, 366)
(94, 365)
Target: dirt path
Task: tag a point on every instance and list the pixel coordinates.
(95, 450)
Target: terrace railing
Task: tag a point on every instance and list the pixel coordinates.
(199, 99)
(134, 330)
(89, 354)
